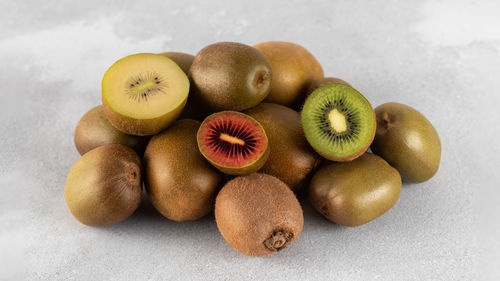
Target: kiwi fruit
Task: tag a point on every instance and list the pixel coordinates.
(408, 141)
(230, 76)
(291, 158)
(258, 214)
(104, 186)
(294, 68)
(233, 142)
(338, 122)
(354, 193)
(94, 130)
(183, 60)
(180, 183)
(144, 93)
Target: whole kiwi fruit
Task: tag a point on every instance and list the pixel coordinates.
(104, 186)
(291, 158)
(354, 193)
(294, 68)
(180, 183)
(408, 141)
(258, 214)
(183, 60)
(94, 130)
(230, 76)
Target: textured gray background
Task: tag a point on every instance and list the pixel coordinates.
(441, 57)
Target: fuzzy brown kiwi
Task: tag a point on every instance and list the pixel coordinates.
(408, 141)
(180, 183)
(142, 94)
(354, 193)
(294, 68)
(230, 76)
(291, 158)
(94, 130)
(183, 60)
(104, 186)
(258, 214)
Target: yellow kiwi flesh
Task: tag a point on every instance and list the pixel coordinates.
(144, 93)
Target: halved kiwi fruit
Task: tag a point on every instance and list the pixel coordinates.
(258, 214)
(230, 76)
(181, 184)
(104, 186)
(338, 122)
(94, 130)
(233, 142)
(144, 93)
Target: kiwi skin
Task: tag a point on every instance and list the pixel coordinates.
(294, 68)
(291, 158)
(141, 127)
(408, 141)
(354, 193)
(180, 183)
(104, 186)
(183, 60)
(258, 214)
(94, 130)
(230, 76)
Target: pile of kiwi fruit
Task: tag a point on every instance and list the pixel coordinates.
(238, 131)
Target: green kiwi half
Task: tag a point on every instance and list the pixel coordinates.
(338, 122)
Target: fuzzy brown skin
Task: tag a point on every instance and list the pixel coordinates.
(258, 214)
(94, 130)
(104, 186)
(294, 69)
(231, 76)
(291, 157)
(180, 183)
(354, 193)
(183, 60)
(408, 141)
(141, 127)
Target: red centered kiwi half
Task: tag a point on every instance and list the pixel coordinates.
(233, 142)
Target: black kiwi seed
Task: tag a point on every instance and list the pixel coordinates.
(157, 86)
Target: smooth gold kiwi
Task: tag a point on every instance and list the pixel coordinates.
(144, 93)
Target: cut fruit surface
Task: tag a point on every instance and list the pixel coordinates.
(338, 122)
(233, 142)
(143, 93)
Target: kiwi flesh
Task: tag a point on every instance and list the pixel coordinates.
(408, 141)
(94, 130)
(144, 93)
(183, 60)
(294, 68)
(291, 158)
(180, 183)
(338, 122)
(354, 193)
(258, 214)
(230, 76)
(104, 186)
(233, 142)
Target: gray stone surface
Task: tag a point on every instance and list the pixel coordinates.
(441, 57)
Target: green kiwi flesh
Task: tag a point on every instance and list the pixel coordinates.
(180, 183)
(94, 130)
(338, 122)
(291, 158)
(104, 186)
(230, 76)
(354, 193)
(408, 141)
(258, 214)
(233, 142)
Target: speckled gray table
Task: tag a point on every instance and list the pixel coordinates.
(442, 57)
